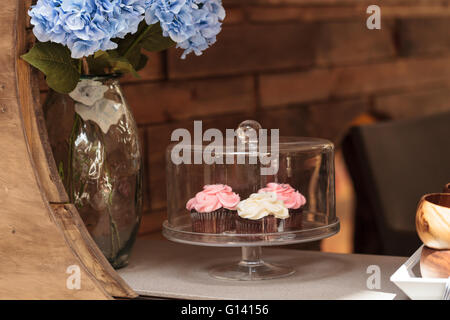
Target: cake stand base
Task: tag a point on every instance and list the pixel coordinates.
(251, 268)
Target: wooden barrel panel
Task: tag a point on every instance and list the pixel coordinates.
(41, 235)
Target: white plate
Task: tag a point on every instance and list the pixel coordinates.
(408, 278)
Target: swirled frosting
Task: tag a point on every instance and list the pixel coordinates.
(260, 205)
(214, 197)
(292, 198)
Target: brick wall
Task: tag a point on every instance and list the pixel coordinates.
(308, 67)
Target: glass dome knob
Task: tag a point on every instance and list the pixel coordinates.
(248, 130)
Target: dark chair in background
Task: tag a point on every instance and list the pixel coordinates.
(392, 165)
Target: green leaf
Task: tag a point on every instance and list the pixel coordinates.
(142, 62)
(148, 37)
(134, 57)
(111, 60)
(155, 41)
(55, 62)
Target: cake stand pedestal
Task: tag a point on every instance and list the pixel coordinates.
(252, 266)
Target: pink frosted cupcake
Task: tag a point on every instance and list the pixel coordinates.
(293, 200)
(213, 209)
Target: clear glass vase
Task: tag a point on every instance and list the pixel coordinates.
(97, 151)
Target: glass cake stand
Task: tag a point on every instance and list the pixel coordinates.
(252, 266)
(306, 165)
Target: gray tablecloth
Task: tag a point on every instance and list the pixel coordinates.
(171, 270)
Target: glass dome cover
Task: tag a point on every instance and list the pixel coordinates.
(305, 165)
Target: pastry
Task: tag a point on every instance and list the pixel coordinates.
(260, 213)
(213, 209)
(293, 201)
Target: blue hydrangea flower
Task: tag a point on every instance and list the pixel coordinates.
(192, 24)
(86, 26)
(129, 14)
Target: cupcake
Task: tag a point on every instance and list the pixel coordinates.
(260, 213)
(293, 201)
(213, 209)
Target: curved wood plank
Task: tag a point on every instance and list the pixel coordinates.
(81, 243)
(37, 243)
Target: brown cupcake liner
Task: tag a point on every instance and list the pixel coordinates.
(218, 221)
(295, 220)
(267, 224)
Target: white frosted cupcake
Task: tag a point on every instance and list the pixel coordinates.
(260, 213)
